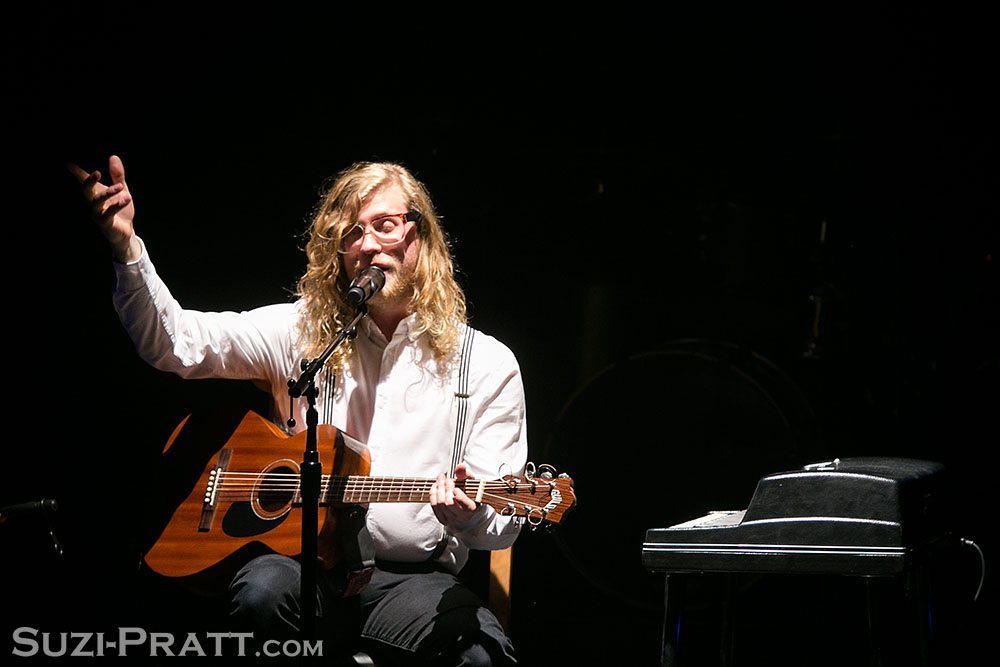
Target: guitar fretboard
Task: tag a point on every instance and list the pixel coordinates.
(358, 489)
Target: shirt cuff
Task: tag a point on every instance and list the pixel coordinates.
(478, 517)
(129, 275)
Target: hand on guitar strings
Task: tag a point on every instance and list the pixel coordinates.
(450, 504)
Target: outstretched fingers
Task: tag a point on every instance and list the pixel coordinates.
(105, 200)
(117, 169)
(111, 207)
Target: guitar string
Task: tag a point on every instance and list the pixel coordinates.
(293, 481)
(353, 478)
(341, 482)
(415, 482)
(355, 485)
(339, 489)
(240, 490)
(501, 498)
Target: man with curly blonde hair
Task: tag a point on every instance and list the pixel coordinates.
(393, 387)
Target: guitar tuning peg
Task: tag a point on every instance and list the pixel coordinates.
(547, 471)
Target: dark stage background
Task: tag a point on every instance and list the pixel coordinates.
(646, 208)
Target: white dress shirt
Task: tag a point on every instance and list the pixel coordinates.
(391, 395)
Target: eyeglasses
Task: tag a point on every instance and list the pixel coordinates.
(388, 230)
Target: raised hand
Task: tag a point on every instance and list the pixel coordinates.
(111, 207)
(451, 505)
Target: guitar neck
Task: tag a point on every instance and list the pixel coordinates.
(361, 489)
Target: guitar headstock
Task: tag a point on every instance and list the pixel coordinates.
(542, 496)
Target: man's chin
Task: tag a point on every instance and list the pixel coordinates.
(389, 295)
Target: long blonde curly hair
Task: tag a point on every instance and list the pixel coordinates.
(437, 299)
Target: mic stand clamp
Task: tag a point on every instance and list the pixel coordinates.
(310, 474)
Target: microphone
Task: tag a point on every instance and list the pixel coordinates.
(365, 285)
(33, 507)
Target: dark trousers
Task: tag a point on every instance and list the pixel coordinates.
(408, 614)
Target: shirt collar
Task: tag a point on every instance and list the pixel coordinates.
(406, 327)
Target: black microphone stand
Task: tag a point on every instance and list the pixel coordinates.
(310, 474)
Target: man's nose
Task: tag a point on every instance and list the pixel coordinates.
(369, 244)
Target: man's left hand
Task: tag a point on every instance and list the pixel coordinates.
(451, 506)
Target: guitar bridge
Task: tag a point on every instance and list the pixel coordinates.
(212, 490)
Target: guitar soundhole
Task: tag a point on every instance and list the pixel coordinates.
(275, 489)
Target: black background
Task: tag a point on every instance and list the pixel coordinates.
(636, 203)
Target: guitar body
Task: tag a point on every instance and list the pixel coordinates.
(233, 492)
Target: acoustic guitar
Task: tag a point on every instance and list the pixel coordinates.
(243, 501)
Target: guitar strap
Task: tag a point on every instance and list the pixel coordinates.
(461, 413)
